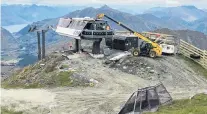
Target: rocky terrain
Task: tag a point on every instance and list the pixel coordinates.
(76, 83)
(107, 88)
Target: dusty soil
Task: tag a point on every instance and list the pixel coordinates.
(114, 87)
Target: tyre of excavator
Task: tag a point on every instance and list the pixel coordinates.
(136, 52)
(152, 54)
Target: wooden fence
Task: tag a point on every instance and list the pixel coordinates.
(188, 50)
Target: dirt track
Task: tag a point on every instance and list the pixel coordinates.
(107, 97)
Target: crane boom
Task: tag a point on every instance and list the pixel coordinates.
(156, 48)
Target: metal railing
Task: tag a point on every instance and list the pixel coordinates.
(187, 50)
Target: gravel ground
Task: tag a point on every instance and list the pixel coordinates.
(115, 85)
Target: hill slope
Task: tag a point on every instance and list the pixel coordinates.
(199, 25)
(198, 39)
(116, 82)
(8, 42)
(186, 13)
(187, 17)
(135, 22)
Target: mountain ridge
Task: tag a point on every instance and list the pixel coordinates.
(195, 38)
(12, 14)
(8, 42)
(140, 23)
(186, 13)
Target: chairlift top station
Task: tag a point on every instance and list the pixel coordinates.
(84, 28)
(79, 28)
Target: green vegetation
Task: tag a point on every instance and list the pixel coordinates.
(42, 80)
(64, 66)
(196, 105)
(42, 74)
(195, 66)
(50, 68)
(64, 78)
(45, 73)
(5, 110)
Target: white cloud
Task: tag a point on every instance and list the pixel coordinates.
(147, 3)
(172, 3)
(77, 2)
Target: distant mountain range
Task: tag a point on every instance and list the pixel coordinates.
(187, 17)
(140, 23)
(177, 18)
(133, 21)
(185, 13)
(205, 10)
(196, 38)
(22, 14)
(8, 42)
(29, 40)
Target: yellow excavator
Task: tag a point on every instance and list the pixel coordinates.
(149, 48)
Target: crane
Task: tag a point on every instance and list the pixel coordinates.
(150, 48)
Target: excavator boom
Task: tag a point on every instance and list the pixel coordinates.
(156, 48)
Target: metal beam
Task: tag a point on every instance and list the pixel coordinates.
(96, 47)
(38, 45)
(43, 44)
(77, 45)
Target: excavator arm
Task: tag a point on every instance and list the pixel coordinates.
(155, 47)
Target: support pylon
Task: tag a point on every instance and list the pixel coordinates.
(38, 45)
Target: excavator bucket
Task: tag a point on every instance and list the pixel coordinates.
(71, 27)
(146, 99)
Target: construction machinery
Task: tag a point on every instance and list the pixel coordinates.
(148, 47)
(122, 42)
(166, 41)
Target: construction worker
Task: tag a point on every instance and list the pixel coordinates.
(107, 27)
(70, 45)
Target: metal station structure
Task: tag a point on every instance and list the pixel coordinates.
(78, 29)
(85, 29)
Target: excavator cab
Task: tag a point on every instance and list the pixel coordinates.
(145, 49)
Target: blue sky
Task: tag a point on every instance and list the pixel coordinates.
(117, 4)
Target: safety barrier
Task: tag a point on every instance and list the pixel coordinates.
(194, 53)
